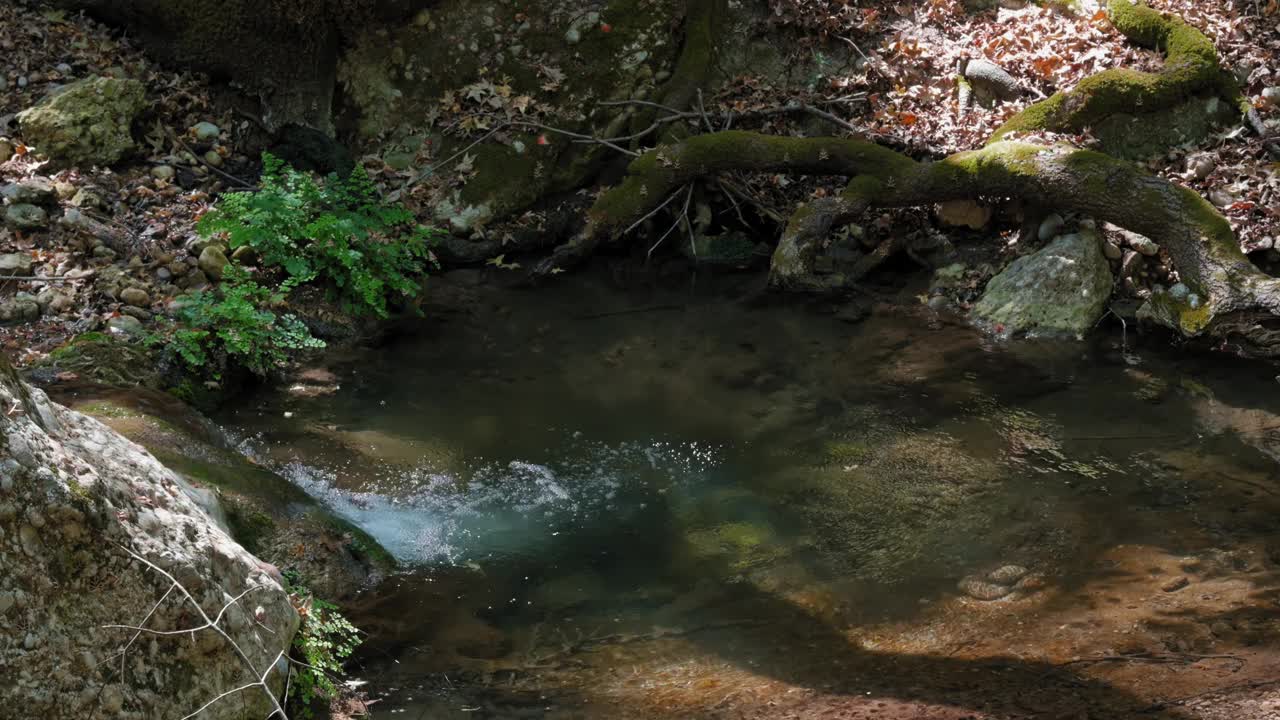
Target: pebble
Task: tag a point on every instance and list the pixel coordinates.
(573, 36)
(212, 262)
(980, 589)
(1111, 250)
(1008, 574)
(213, 158)
(63, 68)
(125, 325)
(1179, 291)
(1221, 198)
(162, 172)
(1050, 227)
(1144, 245)
(136, 297)
(1175, 584)
(6, 149)
(1272, 95)
(1131, 264)
(1201, 165)
(206, 131)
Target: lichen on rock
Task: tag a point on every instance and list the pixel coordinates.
(87, 122)
(1060, 290)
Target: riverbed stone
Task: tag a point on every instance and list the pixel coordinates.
(1059, 290)
(85, 123)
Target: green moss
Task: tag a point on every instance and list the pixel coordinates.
(249, 527)
(1191, 66)
(361, 543)
(504, 179)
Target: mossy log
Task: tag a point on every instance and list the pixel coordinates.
(1241, 304)
(1191, 68)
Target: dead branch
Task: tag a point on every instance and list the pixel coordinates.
(213, 625)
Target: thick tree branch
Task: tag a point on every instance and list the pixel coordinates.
(1191, 67)
(1235, 301)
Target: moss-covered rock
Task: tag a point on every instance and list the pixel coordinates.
(85, 123)
(1060, 290)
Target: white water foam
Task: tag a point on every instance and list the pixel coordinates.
(498, 509)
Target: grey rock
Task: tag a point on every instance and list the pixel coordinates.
(163, 172)
(1272, 95)
(72, 466)
(1179, 291)
(16, 264)
(1059, 290)
(1131, 265)
(136, 313)
(1050, 227)
(19, 310)
(1111, 251)
(33, 191)
(136, 297)
(126, 325)
(6, 148)
(26, 217)
(213, 262)
(85, 198)
(1007, 574)
(205, 131)
(1144, 245)
(213, 158)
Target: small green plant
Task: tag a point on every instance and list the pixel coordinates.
(338, 230)
(236, 321)
(324, 640)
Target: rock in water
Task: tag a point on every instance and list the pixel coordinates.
(1060, 290)
(76, 500)
(87, 122)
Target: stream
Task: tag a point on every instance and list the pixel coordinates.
(685, 503)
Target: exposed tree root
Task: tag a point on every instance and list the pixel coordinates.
(1191, 68)
(1235, 302)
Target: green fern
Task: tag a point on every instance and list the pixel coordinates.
(338, 230)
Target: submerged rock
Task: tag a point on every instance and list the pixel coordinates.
(87, 122)
(76, 501)
(1060, 290)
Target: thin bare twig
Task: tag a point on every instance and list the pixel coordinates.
(212, 624)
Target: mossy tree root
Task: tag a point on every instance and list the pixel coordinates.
(1241, 304)
(1191, 68)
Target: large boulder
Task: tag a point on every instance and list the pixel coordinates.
(80, 507)
(1060, 290)
(85, 123)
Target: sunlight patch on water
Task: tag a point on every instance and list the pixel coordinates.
(503, 509)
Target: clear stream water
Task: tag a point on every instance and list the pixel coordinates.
(570, 472)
